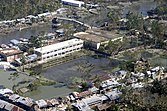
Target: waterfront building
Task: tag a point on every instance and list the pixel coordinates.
(10, 54)
(73, 3)
(59, 49)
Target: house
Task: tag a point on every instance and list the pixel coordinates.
(81, 106)
(14, 42)
(113, 95)
(10, 54)
(109, 84)
(28, 59)
(5, 65)
(59, 49)
(93, 90)
(137, 85)
(5, 106)
(120, 74)
(41, 103)
(73, 3)
(93, 101)
(6, 91)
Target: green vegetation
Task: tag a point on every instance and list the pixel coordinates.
(35, 41)
(135, 21)
(40, 82)
(146, 99)
(12, 9)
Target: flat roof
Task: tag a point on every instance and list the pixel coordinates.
(73, 1)
(90, 37)
(104, 33)
(58, 45)
(10, 51)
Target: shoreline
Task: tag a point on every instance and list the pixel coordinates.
(6, 31)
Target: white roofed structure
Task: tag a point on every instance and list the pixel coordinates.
(73, 2)
(59, 49)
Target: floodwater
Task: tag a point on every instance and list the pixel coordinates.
(64, 72)
(48, 92)
(159, 61)
(93, 20)
(142, 7)
(26, 33)
(7, 81)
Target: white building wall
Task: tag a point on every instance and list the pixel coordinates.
(60, 49)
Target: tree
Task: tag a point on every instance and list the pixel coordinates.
(114, 16)
(135, 21)
(35, 41)
(158, 31)
(23, 61)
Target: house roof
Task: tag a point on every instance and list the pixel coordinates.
(92, 99)
(93, 89)
(9, 107)
(73, 1)
(90, 37)
(41, 103)
(58, 45)
(10, 51)
(4, 91)
(84, 94)
(14, 41)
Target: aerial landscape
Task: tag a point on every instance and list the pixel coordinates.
(83, 55)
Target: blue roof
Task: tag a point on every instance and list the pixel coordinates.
(14, 41)
(31, 57)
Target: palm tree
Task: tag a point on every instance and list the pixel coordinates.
(157, 32)
(23, 61)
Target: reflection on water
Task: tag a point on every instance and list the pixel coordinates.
(64, 72)
(47, 92)
(159, 61)
(8, 80)
(26, 33)
(141, 7)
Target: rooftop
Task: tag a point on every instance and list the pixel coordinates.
(73, 1)
(90, 37)
(58, 45)
(10, 51)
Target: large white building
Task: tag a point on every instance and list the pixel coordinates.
(59, 49)
(73, 3)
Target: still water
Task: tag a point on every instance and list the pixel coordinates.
(63, 72)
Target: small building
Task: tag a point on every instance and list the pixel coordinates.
(29, 59)
(109, 84)
(59, 49)
(10, 54)
(73, 3)
(6, 91)
(93, 101)
(14, 42)
(91, 40)
(41, 103)
(120, 74)
(6, 106)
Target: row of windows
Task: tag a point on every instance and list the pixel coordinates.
(63, 48)
(61, 53)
